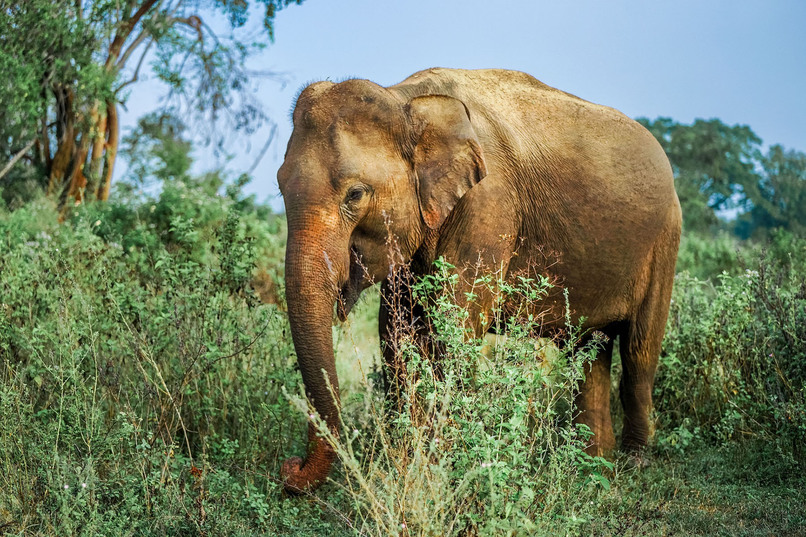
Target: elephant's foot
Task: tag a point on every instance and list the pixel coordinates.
(637, 459)
(634, 441)
(636, 433)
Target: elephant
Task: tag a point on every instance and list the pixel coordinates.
(486, 168)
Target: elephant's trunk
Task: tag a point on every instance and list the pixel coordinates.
(313, 272)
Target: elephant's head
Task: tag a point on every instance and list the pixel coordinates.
(363, 168)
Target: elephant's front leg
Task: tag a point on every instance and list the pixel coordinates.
(401, 322)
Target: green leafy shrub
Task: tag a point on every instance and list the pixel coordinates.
(708, 256)
(732, 366)
(141, 379)
(480, 443)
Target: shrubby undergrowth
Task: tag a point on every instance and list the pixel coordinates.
(708, 256)
(146, 389)
(141, 376)
(733, 360)
(479, 443)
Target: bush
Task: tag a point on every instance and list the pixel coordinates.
(140, 389)
(732, 366)
(481, 443)
(708, 256)
(705, 256)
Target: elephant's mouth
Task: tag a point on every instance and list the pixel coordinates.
(351, 290)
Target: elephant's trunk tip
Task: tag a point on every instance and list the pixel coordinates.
(301, 476)
(291, 473)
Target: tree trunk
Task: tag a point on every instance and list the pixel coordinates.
(111, 150)
(78, 181)
(65, 118)
(97, 156)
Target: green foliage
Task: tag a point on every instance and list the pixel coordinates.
(67, 65)
(721, 168)
(779, 198)
(141, 378)
(157, 150)
(708, 256)
(732, 365)
(42, 42)
(49, 59)
(481, 443)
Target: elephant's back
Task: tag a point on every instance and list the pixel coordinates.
(586, 180)
(542, 138)
(468, 82)
(499, 95)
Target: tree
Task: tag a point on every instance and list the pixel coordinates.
(779, 198)
(715, 166)
(68, 64)
(157, 150)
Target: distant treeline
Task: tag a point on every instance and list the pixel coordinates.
(722, 170)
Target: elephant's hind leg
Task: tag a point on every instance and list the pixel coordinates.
(592, 404)
(640, 344)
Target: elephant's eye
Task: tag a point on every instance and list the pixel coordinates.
(355, 194)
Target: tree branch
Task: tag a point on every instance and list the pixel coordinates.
(136, 75)
(125, 31)
(142, 36)
(193, 21)
(204, 25)
(17, 157)
(263, 151)
(136, 43)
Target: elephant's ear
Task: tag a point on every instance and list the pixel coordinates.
(447, 157)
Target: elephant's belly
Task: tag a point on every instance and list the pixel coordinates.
(600, 291)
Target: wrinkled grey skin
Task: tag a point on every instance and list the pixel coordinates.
(490, 169)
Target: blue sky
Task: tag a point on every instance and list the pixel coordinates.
(739, 61)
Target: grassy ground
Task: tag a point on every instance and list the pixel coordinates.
(709, 491)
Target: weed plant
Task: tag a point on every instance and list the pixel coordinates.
(480, 442)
